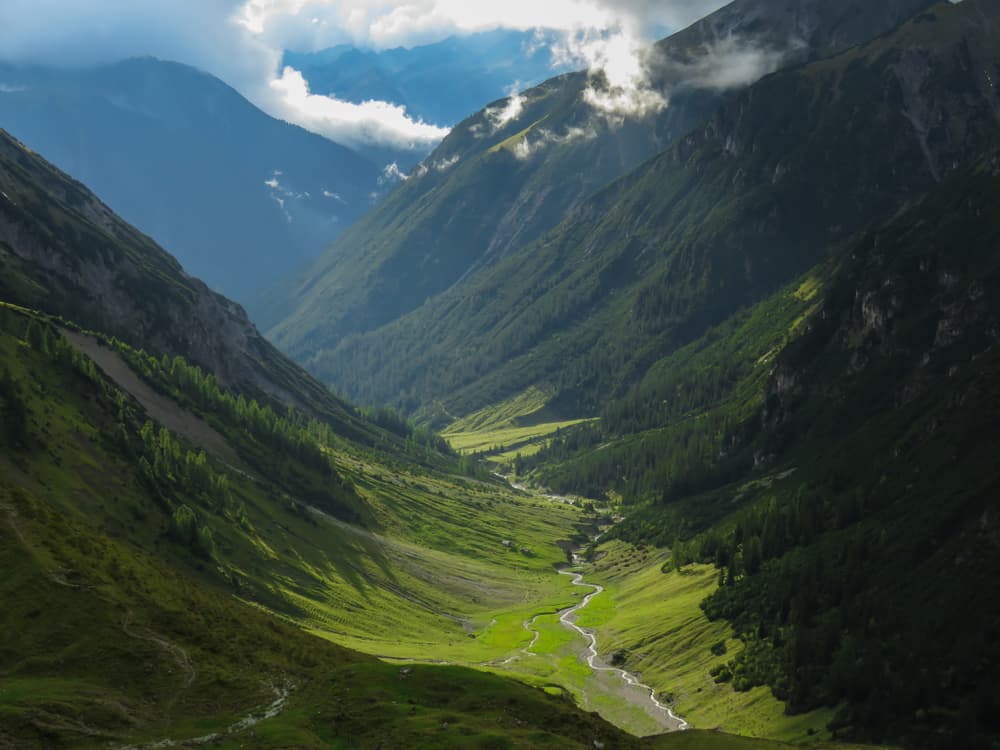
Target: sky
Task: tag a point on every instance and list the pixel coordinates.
(241, 42)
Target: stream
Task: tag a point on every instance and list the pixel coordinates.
(568, 618)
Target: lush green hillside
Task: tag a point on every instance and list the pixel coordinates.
(120, 545)
(180, 557)
(831, 453)
(773, 182)
(787, 323)
(516, 169)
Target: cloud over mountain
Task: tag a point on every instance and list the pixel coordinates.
(241, 42)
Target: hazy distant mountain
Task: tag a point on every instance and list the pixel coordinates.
(440, 83)
(235, 194)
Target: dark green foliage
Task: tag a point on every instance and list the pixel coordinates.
(170, 468)
(858, 570)
(415, 435)
(286, 447)
(13, 413)
(471, 283)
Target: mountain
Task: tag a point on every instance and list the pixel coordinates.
(512, 172)
(238, 196)
(172, 546)
(774, 345)
(478, 69)
(67, 253)
(203, 546)
(839, 474)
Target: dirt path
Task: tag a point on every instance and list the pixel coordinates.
(281, 693)
(178, 654)
(568, 618)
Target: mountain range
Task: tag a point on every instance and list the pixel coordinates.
(512, 172)
(723, 341)
(758, 337)
(159, 141)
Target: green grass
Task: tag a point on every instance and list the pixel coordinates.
(432, 581)
(95, 624)
(656, 617)
(553, 635)
(520, 425)
(518, 408)
(512, 439)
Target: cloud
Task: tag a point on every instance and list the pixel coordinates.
(241, 42)
(619, 84)
(510, 110)
(391, 174)
(366, 124)
(726, 64)
(534, 142)
(314, 24)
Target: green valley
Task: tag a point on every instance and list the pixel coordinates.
(188, 564)
(768, 346)
(648, 411)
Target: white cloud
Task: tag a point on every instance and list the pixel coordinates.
(534, 142)
(510, 110)
(391, 174)
(728, 63)
(314, 24)
(619, 80)
(241, 42)
(365, 124)
(8, 88)
(443, 165)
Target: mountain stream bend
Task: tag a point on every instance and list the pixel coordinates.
(568, 618)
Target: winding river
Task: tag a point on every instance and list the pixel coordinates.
(568, 618)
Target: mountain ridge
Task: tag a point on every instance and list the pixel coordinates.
(161, 140)
(502, 179)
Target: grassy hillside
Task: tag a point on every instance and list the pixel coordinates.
(842, 484)
(675, 648)
(152, 589)
(781, 176)
(121, 649)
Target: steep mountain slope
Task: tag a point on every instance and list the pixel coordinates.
(764, 190)
(831, 448)
(238, 196)
(843, 481)
(67, 253)
(515, 170)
